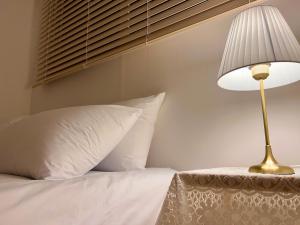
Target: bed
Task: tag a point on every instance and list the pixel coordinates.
(97, 198)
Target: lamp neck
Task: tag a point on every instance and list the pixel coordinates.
(260, 72)
(264, 111)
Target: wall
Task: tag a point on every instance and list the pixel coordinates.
(16, 22)
(200, 124)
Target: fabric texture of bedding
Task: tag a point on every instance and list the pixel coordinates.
(97, 198)
(132, 152)
(63, 143)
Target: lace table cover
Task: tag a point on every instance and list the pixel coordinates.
(231, 196)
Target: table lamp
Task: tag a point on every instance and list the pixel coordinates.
(261, 52)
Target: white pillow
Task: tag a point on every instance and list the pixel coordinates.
(132, 151)
(63, 143)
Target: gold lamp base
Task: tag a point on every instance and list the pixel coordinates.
(273, 169)
(270, 166)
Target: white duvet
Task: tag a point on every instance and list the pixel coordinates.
(98, 198)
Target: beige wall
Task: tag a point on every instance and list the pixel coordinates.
(16, 23)
(200, 125)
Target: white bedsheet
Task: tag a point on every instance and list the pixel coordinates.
(98, 198)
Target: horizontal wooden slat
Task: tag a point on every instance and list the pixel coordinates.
(164, 27)
(42, 79)
(95, 17)
(76, 41)
(67, 32)
(101, 6)
(102, 40)
(93, 50)
(118, 11)
(96, 41)
(80, 50)
(51, 7)
(178, 6)
(54, 16)
(117, 26)
(64, 41)
(66, 55)
(100, 3)
(92, 60)
(162, 20)
(64, 9)
(63, 26)
(169, 6)
(155, 3)
(67, 65)
(111, 6)
(77, 34)
(79, 12)
(124, 22)
(72, 24)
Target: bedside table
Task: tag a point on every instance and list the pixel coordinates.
(231, 196)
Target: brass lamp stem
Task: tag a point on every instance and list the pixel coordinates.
(269, 165)
(269, 158)
(264, 111)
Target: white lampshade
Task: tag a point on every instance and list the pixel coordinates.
(259, 35)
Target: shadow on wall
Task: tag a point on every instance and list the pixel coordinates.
(96, 85)
(33, 50)
(16, 50)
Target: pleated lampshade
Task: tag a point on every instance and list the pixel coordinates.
(259, 35)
